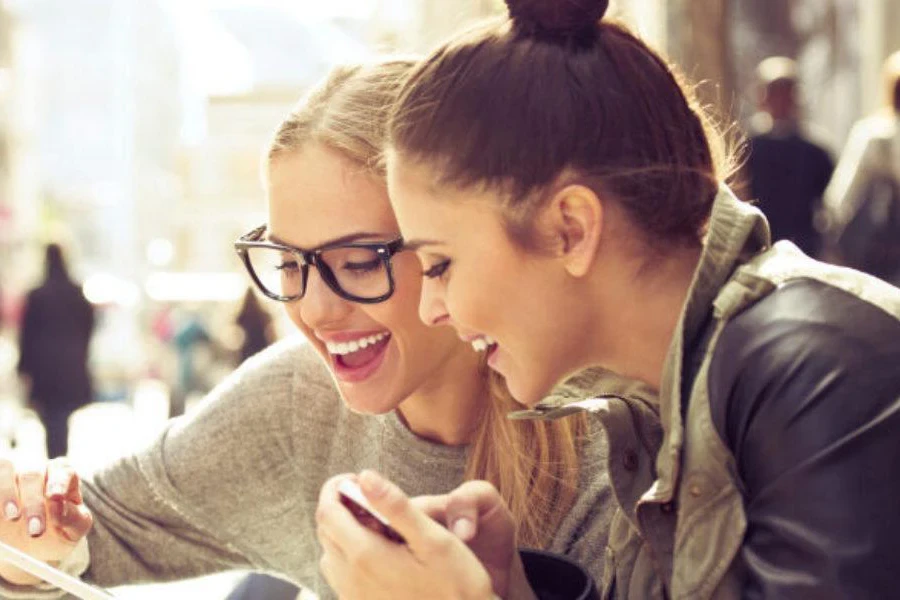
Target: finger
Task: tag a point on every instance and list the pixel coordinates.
(31, 498)
(415, 526)
(433, 506)
(332, 565)
(71, 520)
(62, 481)
(473, 504)
(9, 495)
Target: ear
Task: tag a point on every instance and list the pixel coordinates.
(575, 219)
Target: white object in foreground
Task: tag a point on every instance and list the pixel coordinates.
(51, 575)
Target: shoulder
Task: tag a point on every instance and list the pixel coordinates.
(872, 129)
(285, 376)
(807, 345)
(286, 360)
(808, 307)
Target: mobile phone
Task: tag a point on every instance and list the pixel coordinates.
(355, 501)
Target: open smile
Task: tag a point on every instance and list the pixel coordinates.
(356, 360)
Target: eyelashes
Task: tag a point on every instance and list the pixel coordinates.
(437, 270)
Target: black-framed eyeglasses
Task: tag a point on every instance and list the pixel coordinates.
(355, 271)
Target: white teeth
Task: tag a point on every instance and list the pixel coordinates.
(342, 348)
(483, 343)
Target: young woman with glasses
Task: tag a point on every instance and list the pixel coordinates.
(235, 484)
(563, 195)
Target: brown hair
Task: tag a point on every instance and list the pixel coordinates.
(551, 95)
(534, 465)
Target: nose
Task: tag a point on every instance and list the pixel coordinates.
(320, 306)
(432, 309)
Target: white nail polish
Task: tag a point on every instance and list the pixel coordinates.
(11, 510)
(34, 526)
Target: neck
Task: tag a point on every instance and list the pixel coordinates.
(447, 408)
(641, 313)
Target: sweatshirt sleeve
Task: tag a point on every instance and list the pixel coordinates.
(215, 490)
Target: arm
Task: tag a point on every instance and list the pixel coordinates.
(218, 489)
(805, 391)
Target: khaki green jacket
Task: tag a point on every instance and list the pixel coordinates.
(681, 521)
(698, 543)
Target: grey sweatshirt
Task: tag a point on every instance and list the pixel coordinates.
(234, 484)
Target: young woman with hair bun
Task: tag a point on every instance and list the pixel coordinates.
(567, 201)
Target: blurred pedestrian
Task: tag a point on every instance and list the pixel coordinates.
(255, 324)
(863, 199)
(57, 324)
(189, 336)
(788, 171)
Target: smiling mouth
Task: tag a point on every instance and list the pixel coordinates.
(358, 354)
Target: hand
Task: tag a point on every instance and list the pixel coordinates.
(478, 516)
(359, 563)
(41, 513)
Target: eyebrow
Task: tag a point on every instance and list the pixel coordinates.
(417, 244)
(344, 239)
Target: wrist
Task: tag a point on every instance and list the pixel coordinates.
(518, 587)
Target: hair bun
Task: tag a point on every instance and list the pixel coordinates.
(557, 17)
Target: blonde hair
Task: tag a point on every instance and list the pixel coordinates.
(534, 465)
(891, 75)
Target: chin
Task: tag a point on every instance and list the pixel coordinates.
(525, 392)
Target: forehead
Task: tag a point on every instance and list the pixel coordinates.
(317, 194)
(427, 210)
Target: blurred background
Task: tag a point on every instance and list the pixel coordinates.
(131, 133)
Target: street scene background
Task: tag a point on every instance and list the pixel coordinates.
(131, 133)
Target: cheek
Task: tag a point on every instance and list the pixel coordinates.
(475, 298)
(293, 312)
(403, 306)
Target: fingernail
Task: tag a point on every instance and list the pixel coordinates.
(464, 529)
(373, 484)
(57, 489)
(11, 510)
(35, 527)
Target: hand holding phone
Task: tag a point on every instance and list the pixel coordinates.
(355, 501)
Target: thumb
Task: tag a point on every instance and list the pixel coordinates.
(389, 500)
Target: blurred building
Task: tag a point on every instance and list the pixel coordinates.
(6, 141)
(105, 104)
(279, 56)
(17, 212)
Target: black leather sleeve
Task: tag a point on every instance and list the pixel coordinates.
(805, 391)
(555, 577)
